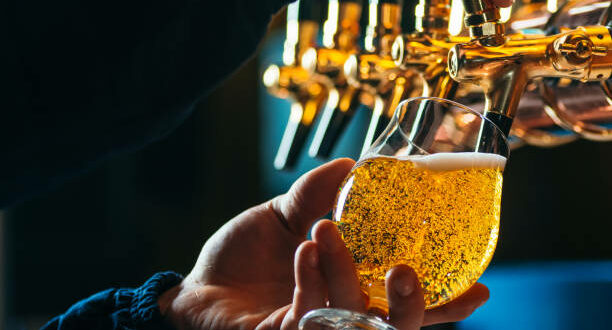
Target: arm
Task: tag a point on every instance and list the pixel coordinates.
(259, 272)
(119, 309)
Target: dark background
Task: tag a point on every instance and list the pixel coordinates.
(137, 213)
(152, 210)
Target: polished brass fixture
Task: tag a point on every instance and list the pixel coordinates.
(426, 49)
(341, 31)
(503, 64)
(382, 84)
(543, 74)
(306, 91)
(584, 108)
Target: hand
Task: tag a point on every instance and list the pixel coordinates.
(259, 272)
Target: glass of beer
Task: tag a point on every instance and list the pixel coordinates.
(427, 194)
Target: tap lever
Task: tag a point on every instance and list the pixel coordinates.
(301, 118)
(335, 117)
(384, 104)
(340, 33)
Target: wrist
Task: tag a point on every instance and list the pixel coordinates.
(145, 309)
(167, 306)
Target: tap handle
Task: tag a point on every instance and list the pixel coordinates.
(384, 107)
(341, 29)
(298, 127)
(378, 123)
(431, 16)
(303, 20)
(335, 117)
(291, 144)
(384, 24)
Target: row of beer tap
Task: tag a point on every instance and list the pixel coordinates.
(539, 70)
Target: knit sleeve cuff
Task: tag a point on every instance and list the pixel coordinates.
(144, 309)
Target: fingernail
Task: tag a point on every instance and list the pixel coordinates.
(313, 258)
(404, 285)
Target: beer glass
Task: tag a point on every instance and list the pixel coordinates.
(426, 194)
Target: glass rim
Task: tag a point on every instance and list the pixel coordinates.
(459, 105)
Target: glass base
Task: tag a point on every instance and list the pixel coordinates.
(335, 318)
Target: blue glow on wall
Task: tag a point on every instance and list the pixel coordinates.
(545, 296)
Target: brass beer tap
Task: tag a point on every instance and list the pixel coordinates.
(503, 64)
(426, 49)
(340, 33)
(306, 91)
(546, 82)
(381, 83)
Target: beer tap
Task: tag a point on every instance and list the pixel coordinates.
(340, 33)
(426, 49)
(306, 91)
(503, 64)
(381, 83)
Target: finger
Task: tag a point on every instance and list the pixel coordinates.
(275, 319)
(337, 266)
(460, 308)
(406, 303)
(311, 196)
(503, 3)
(310, 289)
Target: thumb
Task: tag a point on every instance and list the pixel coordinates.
(311, 196)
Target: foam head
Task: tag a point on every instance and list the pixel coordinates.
(452, 161)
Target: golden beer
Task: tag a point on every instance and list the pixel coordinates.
(438, 213)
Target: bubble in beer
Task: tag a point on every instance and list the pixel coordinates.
(437, 213)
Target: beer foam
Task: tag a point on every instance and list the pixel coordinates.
(452, 161)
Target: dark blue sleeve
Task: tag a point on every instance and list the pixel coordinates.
(120, 309)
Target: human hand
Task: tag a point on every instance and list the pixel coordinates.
(259, 271)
